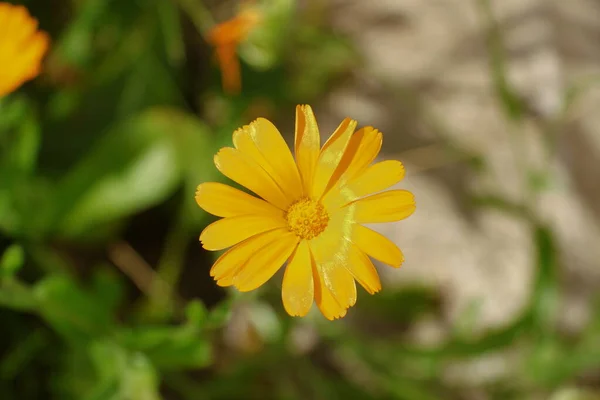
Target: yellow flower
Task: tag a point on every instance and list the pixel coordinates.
(22, 47)
(310, 215)
(226, 37)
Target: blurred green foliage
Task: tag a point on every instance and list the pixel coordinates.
(119, 131)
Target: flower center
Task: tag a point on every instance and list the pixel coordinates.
(307, 218)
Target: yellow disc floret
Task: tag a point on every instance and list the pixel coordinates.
(307, 218)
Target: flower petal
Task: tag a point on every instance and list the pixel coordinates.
(17, 25)
(331, 251)
(21, 49)
(375, 178)
(363, 147)
(370, 145)
(330, 157)
(363, 270)
(243, 170)
(265, 263)
(224, 201)
(298, 288)
(393, 205)
(307, 144)
(330, 264)
(230, 67)
(377, 246)
(230, 231)
(340, 283)
(330, 308)
(332, 243)
(226, 281)
(234, 258)
(262, 142)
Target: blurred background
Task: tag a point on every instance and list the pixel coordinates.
(490, 104)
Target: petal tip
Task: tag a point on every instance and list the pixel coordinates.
(199, 194)
(223, 283)
(304, 109)
(336, 316)
(375, 290)
(206, 245)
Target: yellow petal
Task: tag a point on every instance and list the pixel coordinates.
(393, 205)
(262, 142)
(298, 287)
(233, 259)
(225, 282)
(30, 58)
(243, 170)
(224, 201)
(331, 266)
(21, 48)
(330, 308)
(370, 145)
(230, 231)
(332, 243)
(331, 251)
(265, 263)
(17, 25)
(363, 270)
(340, 283)
(360, 152)
(307, 144)
(375, 178)
(377, 246)
(330, 157)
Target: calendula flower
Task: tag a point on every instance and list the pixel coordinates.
(310, 213)
(226, 37)
(22, 47)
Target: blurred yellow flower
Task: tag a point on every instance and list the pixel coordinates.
(226, 37)
(22, 47)
(310, 215)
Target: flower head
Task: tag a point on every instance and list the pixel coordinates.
(309, 214)
(22, 47)
(226, 37)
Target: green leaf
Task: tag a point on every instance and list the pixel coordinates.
(121, 374)
(263, 48)
(19, 146)
(20, 357)
(170, 23)
(195, 147)
(24, 151)
(72, 312)
(318, 58)
(140, 381)
(14, 109)
(76, 45)
(12, 260)
(196, 313)
(135, 166)
(173, 347)
(219, 315)
(17, 296)
(108, 287)
(169, 347)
